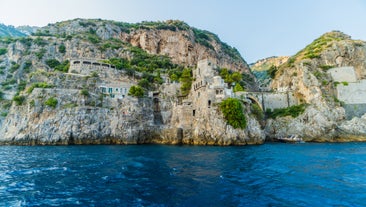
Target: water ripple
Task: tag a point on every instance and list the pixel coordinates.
(154, 175)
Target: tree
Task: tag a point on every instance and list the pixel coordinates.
(236, 77)
(233, 113)
(238, 87)
(272, 71)
(186, 81)
(136, 91)
(62, 48)
(144, 83)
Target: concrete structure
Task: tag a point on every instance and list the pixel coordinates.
(343, 74)
(87, 66)
(350, 91)
(112, 82)
(269, 100)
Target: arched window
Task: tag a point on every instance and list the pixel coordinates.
(209, 103)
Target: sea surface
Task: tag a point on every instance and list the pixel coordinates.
(272, 174)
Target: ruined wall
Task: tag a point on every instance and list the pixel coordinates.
(279, 100)
(353, 93)
(343, 74)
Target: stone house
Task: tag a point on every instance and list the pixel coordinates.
(115, 90)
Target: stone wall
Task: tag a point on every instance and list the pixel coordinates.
(342, 74)
(352, 93)
(268, 100)
(86, 67)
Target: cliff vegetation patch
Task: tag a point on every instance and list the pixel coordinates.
(293, 111)
(233, 113)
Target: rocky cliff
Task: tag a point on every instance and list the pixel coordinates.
(306, 75)
(67, 84)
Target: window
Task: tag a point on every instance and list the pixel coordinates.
(194, 113)
(103, 89)
(209, 103)
(117, 89)
(110, 90)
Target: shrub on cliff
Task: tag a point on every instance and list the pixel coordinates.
(136, 91)
(19, 100)
(39, 85)
(62, 48)
(52, 102)
(293, 111)
(186, 81)
(233, 113)
(238, 87)
(3, 51)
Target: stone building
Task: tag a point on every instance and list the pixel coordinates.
(115, 90)
(208, 90)
(112, 82)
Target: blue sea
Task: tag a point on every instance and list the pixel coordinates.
(273, 174)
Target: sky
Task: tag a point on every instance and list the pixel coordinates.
(257, 28)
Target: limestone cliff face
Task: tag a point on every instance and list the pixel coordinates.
(182, 47)
(184, 44)
(44, 101)
(305, 74)
(266, 63)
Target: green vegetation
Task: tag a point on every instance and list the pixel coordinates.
(326, 67)
(39, 85)
(13, 68)
(142, 61)
(52, 63)
(293, 111)
(55, 64)
(27, 66)
(84, 92)
(11, 81)
(51, 102)
(19, 100)
(21, 86)
(186, 81)
(233, 113)
(40, 53)
(136, 91)
(40, 42)
(345, 83)
(87, 23)
(202, 37)
(45, 33)
(94, 74)
(257, 111)
(272, 71)
(238, 88)
(62, 48)
(3, 51)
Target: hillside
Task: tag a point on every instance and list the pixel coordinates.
(266, 63)
(10, 31)
(312, 74)
(88, 81)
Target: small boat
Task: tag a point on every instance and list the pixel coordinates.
(291, 139)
